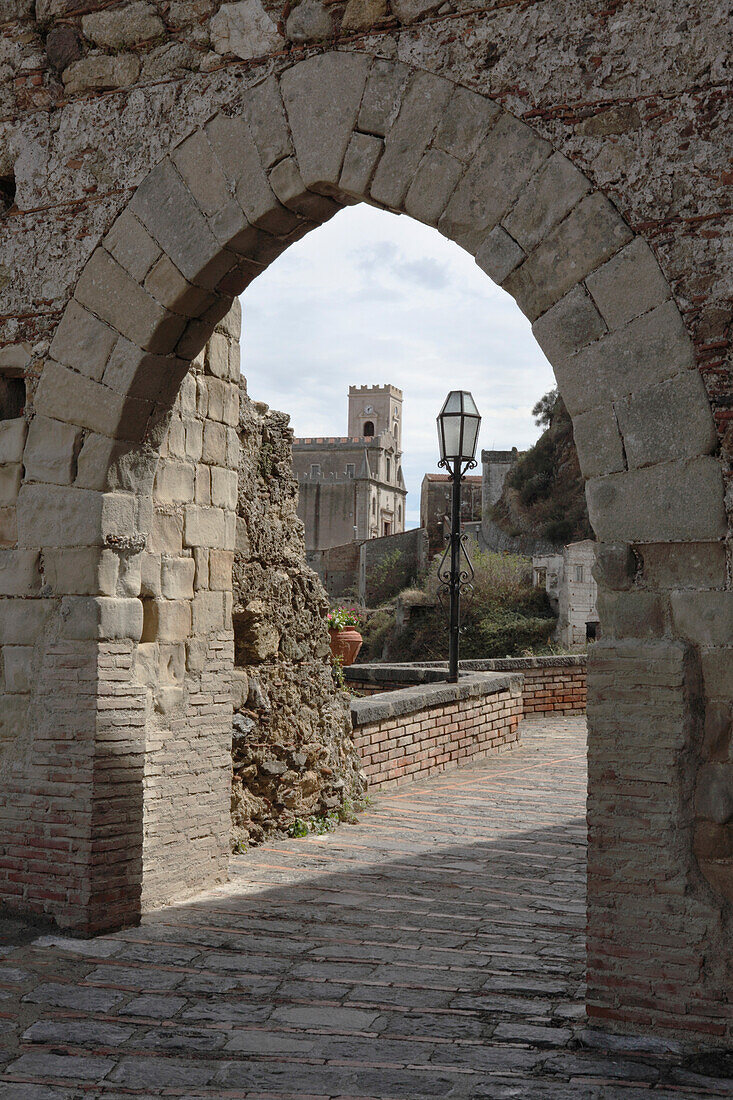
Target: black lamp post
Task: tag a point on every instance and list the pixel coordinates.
(458, 427)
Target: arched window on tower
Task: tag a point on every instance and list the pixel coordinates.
(368, 428)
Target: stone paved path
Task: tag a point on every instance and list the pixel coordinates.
(433, 950)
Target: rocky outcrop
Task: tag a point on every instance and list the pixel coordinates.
(292, 750)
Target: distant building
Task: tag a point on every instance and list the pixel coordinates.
(351, 487)
(569, 582)
(495, 465)
(435, 506)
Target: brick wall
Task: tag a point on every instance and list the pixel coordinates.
(551, 684)
(416, 732)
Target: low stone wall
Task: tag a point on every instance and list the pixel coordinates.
(417, 731)
(551, 684)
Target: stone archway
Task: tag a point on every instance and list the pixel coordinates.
(334, 129)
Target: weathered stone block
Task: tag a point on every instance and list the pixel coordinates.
(499, 255)
(287, 184)
(360, 163)
(382, 96)
(19, 573)
(510, 156)
(194, 440)
(647, 351)
(174, 481)
(90, 571)
(166, 620)
(674, 501)
(322, 97)
(64, 395)
(633, 614)
(202, 492)
(101, 617)
(177, 578)
(132, 246)
(82, 341)
(12, 439)
(308, 22)
(569, 325)
(360, 15)
(22, 621)
(208, 612)
(13, 717)
(56, 515)
(237, 153)
(168, 287)
(201, 560)
(200, 171)
(265, 114)
(224, 488)
(215, 443)
(432, 186)
(704, 617)
(422, 105)
(51, 451)
(629, 284)
(465, 123)
(17, 668)
(220, 570)
(101, 71)
(717, 743)
(615, 566)
(591, 233)
(150, 573)
(167, 209)
(244, 29)
(671, 420)
(106, 289)
(120, 28)
(714, 793)
(408, 11)
(683, 565)
(8, 526)
(717, 670)
(11, 477)
(545, 201)
(204, 527)
(598, 442)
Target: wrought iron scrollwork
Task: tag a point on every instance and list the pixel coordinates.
(464, 577)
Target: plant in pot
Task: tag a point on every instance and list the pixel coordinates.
(345, 638)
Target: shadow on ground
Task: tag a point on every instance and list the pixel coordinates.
(436, 949)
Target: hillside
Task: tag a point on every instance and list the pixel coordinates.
(543, 494)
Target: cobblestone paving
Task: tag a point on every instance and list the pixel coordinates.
(433, 950)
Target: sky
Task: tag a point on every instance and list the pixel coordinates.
(371, 298)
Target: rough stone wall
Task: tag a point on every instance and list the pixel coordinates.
(293, 755)
(149, 168)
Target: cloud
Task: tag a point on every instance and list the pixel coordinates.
(371, 298)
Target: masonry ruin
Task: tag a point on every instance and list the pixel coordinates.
(154, 159)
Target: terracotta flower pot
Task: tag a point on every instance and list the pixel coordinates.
(346, 644)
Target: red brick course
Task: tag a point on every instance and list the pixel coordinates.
(548, 689)
(428, 741)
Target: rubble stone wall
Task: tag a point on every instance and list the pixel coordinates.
(154, 159)
(293, 754)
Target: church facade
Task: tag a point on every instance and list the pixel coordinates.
(351, 487)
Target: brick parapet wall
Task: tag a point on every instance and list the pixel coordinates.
(419, 731)
(551, 684)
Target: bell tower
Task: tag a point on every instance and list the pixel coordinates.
(374, 409)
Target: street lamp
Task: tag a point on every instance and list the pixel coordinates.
(458, 427)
